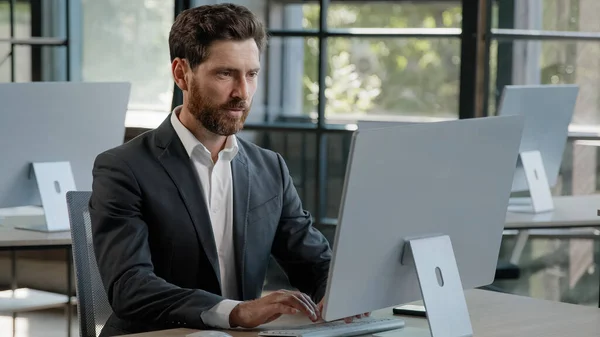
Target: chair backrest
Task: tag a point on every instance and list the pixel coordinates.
(94, 308)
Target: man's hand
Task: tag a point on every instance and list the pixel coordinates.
(347, 319)
(266, 309)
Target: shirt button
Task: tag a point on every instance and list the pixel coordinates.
(215, 209)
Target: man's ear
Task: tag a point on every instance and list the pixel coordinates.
(179, 69)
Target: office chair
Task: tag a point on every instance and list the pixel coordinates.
(94, 308)
(507, 271)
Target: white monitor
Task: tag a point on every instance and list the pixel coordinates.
(548, 111)
(437, 181)
(406, 120)
(56, 122)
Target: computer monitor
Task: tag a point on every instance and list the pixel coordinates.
(548, 111)
(56, 122)
(406, 120)
(368, 125)
(429, 181)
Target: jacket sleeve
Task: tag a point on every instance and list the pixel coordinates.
(120, 240)
(300, 249)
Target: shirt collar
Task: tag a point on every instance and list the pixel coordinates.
(191, 143)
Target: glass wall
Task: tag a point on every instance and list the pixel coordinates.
(555, 42)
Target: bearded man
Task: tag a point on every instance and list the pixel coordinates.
(185, 217)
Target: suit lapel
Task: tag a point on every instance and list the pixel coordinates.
(176, 162)
(241, 197)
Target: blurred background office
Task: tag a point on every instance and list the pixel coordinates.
(329, 65)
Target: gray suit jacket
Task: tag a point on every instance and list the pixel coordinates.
(154, 242)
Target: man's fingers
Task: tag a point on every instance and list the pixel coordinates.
(300, 298)
(308, 301)
(293, 301)
(348, 319)
(300, 295)
(299, 301)
(288, 298)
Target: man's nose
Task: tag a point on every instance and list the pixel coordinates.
(241, 90)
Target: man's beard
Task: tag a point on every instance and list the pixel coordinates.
(215, 118)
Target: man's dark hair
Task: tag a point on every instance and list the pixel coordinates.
(195, 29)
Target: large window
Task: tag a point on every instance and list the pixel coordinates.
(379, 62)
(128, 41)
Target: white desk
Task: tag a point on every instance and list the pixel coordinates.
(492, 315)
(11, 238)
(24, 299)
(569, 212)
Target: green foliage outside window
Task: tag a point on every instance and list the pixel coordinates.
(400, 76)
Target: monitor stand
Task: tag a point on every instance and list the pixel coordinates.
(54, 180)
(537, 181)
(441, 289)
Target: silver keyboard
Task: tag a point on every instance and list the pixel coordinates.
(363, 326)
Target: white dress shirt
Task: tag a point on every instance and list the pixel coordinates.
(217, 185)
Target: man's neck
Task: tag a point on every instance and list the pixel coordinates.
(213, 142)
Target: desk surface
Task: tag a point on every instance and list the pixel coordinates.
(20, 238)
(493, 315)
(569, 211)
